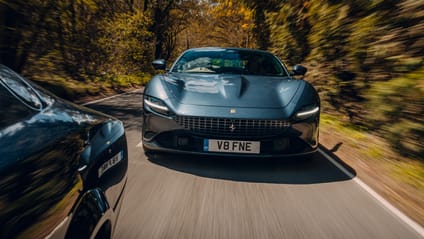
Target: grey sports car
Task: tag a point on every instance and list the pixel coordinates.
(230, 101)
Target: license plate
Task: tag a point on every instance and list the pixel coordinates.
(231, 146)
(110, 163)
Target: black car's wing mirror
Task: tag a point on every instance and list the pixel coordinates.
(299, 70)
(159, 64)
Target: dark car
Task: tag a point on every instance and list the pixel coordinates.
(230, 101)
(63, 167)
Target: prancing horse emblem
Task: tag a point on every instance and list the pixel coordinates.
(232, 111)
(232, 127)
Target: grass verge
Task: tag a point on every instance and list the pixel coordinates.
(397, 178)
(74, 90)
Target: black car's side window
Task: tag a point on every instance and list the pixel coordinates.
(21, 89)
(12, 110)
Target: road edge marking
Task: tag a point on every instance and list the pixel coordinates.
(386, 204)
(107, 98)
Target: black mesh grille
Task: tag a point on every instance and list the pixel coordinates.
(232, 127)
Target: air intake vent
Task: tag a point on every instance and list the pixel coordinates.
(232, 127)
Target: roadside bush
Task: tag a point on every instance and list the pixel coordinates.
(127, 44)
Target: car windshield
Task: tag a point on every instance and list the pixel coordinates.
(229, 61)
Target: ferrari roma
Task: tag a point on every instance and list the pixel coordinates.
(63, 167)
(230, 101)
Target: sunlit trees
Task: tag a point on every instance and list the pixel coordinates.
(366, 58)
(75, 38)
(55, 35)
(231, 24)
(218, 23)
(22, 30)
(261, 29)
(289, 29)
(126, 43)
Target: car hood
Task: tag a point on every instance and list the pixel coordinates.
(231, 90)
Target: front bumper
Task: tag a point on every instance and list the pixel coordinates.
(165, 134)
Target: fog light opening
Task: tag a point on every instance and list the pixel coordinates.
(149, 135)
(281, 144)
(183, 141)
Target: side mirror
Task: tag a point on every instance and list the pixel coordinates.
(159, 64)
(299, 70)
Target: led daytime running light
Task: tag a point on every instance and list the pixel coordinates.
(309, 112)
(156, 106)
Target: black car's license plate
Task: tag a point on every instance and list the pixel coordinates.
(231, 146)
(110, 163)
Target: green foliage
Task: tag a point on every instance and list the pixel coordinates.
(365, 58)
(363, 33)
(368, 147)
(229, 14)
(127, 44)
(261, 29)
(82, 40)
(398, 106)
(122, 81)
(22, 30)
(289, 30)
(329, 32)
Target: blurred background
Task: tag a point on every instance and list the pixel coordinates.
(365, 57)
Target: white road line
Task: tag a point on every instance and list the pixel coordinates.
(110, 97)
(418, 228)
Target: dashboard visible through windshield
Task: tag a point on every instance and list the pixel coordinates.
(229, 61)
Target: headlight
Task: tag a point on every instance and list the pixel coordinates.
(307, 112)
(156, 105)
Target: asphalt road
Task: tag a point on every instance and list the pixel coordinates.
(172, 196)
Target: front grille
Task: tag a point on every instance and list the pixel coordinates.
(232, 127)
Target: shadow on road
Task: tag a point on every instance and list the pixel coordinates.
(125, 108)
(316, 169)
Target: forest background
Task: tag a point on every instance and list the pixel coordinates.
(365, 57)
